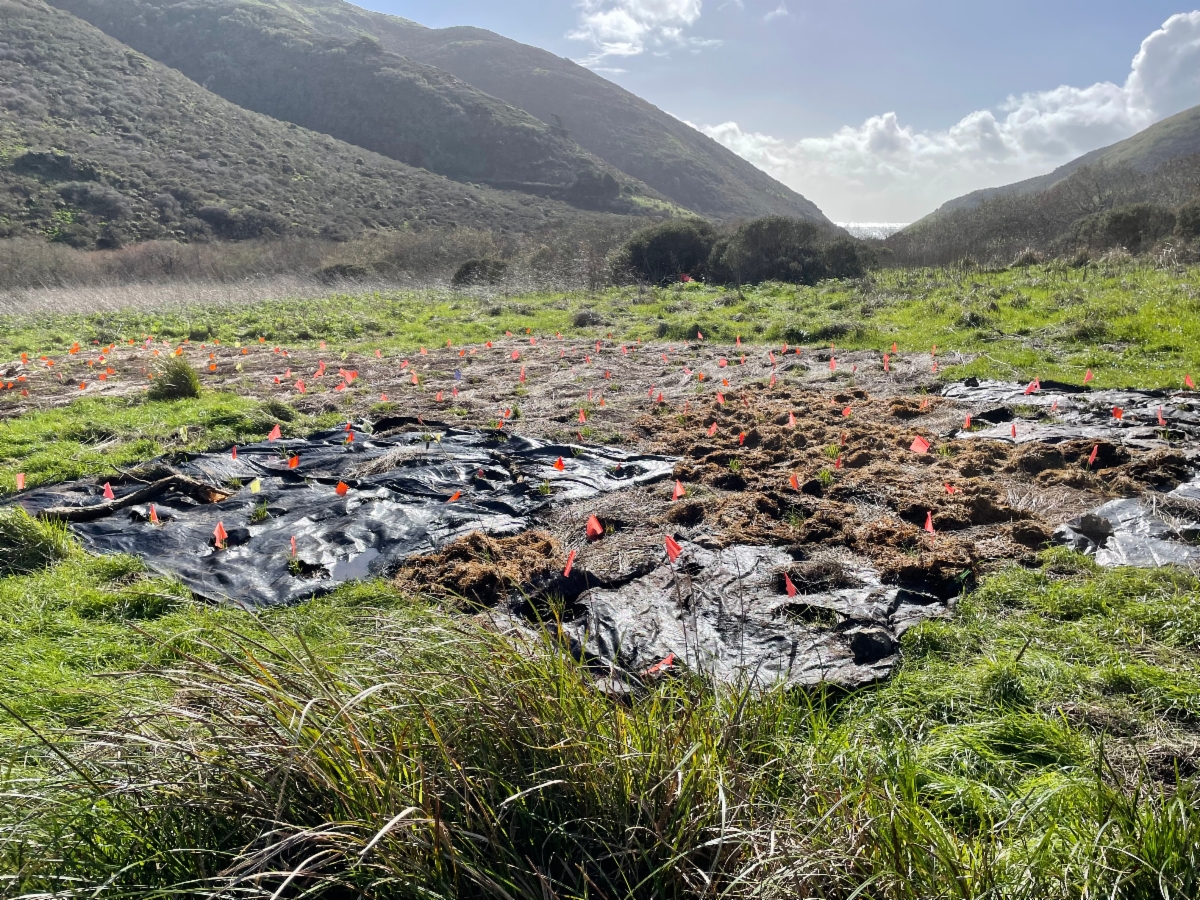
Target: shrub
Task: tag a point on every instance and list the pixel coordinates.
(1187, 221)
(661, 253)
(176, 380)
(845, 258)
(27, 545)
(1135, 227)
(480, 271)
(774, 248)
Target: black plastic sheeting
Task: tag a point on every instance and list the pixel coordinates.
(1156, 529)
(396, 506)
(1076, 413)
(1148, 531)
(727, 613)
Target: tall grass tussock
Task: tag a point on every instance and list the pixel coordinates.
(438, 758)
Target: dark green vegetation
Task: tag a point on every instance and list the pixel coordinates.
(1137, 195)
(773, 248)
(100, 145)
(1130, 323)
(266, 59)
(620, 128)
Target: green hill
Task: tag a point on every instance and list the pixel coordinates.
(1145, 151)
(1131, 195)
(263, 57)
(100, 145)
(541, 97)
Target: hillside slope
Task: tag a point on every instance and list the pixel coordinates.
(100, 145)
(1145, 151)
(263, 57)
(625, 131)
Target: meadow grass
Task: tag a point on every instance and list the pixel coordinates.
(101, 436)
(368, 744)
(1043, 742)
(1130, 323)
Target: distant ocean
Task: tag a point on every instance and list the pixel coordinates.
(876, 230)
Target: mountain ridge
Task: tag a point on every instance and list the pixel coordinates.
(265, 57)
(101, 145)
(1170, 138)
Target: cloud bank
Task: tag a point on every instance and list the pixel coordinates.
(883, 170)
(623, 28)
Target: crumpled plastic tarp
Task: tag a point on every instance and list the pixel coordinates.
(727, 613)
(1078, 413)
(1148, 531)
(398, 485)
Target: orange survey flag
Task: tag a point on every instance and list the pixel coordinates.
(1188, 383)
(293, 462)
(341, 489)
(679, 491)
(20, 481)
(570, 564)
(794, 482)
(673, 548)
(560, 465)
(1092, 458)
(153, 515)
(1088, 376)
(233, 452)
(788, 586)
(712, 429)
(594, 528)
(582, 416)
(220, 535)
(274, 435)
(929, 522)
(791, 420)
(920, 445)
(454, 497)
(1118, 413)
(108, 492)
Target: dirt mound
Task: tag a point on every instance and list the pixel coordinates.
(483, 570)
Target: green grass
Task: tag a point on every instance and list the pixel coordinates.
(1131, 324)
(1018, 753)
(99, 436)
(1040, 743)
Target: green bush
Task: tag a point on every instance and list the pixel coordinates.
(27, 544)
(480, 271)
(1135, 227)
(176, 380)
(1187, 220)
(661, 253)
(774, 248)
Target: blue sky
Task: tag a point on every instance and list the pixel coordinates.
(876, 109)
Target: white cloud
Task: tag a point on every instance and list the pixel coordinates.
(778, 12)
(622, 28)
(883, 170)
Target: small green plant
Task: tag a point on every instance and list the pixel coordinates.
(825, 476)
(295, 567)
(833, 451)
(259, 513)
(946, 451)
(27, 544)
(545, 489)
(735, 465)
(175, 380)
